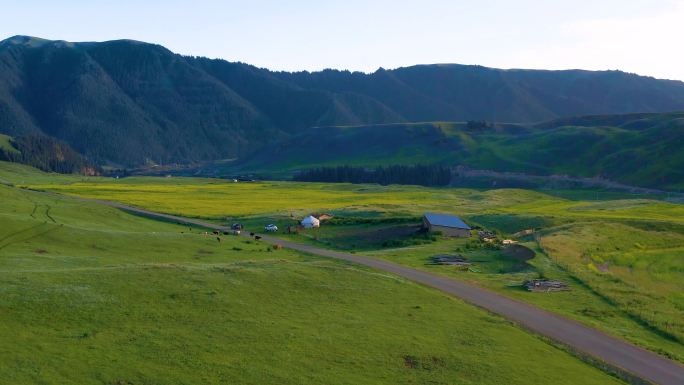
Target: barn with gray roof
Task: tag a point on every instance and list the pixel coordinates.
(447, 224)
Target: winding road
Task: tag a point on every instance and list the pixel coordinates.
(618, 354)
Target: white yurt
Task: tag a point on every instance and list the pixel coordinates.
(310, 222)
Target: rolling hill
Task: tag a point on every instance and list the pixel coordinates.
(129, 103)
(638, 149)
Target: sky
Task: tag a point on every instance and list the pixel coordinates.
(638, 36)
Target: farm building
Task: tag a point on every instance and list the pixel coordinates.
(449, 225)
(310, 222)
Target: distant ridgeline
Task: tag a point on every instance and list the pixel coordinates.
(423, 175)
(43, 152)
(131, 103)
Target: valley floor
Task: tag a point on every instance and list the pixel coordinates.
(175, 289)
(91, 294)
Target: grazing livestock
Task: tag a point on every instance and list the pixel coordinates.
(218, 239)
(251, 234)
(216, 232)
(257, 237)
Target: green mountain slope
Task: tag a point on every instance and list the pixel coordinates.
(643, 149)
(131, 103)
(124, 102)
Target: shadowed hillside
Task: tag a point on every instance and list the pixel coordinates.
(641, 149)
(130, 103)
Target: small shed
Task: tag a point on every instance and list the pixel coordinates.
(447, 224)
(310, 222)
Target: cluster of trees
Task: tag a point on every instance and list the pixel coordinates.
(45, 153)
(423, 175)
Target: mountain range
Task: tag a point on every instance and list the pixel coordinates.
(128, 103)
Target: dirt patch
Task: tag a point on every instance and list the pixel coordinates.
(518, 253)
(96, 247)
(445, 259)
(411, 362)
(602, 267)
(40, 251)
(515, 258)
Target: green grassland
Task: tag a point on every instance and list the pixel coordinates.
(5, 144)
(213, 198)
(621, 255)
(90, 294)
(19, 174)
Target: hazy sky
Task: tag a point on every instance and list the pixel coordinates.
(646, 37)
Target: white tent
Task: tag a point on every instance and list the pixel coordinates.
(310, 222)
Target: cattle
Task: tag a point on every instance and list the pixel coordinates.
(225, 233)
(216, 232)
(251, 234)
(257, 237)
(218, 239)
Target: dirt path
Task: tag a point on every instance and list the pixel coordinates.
(618, 354)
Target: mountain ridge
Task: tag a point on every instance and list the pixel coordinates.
(128, 103)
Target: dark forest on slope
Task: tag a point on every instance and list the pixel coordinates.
(129, 103)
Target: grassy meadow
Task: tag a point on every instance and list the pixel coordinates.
(93, 295)
(5, 144)
(621, 254)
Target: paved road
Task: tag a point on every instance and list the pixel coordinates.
(617, 353)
